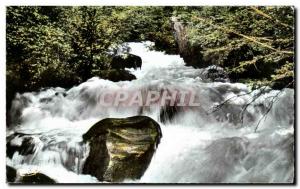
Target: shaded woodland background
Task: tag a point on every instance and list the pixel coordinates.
(64, 46)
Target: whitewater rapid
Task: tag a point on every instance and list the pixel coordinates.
(201, 144)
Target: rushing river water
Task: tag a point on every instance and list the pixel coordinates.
(203, 144)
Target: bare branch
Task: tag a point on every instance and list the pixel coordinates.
(218, 107)
(248, 104)
(274, 99)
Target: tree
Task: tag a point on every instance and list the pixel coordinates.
(254, 44)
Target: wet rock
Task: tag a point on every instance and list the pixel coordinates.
(168, 113)
(17, 106)
(234, 114)
(116, 75)
(35, 178)
(64, 94)
(121, 148)
(21, 143)
(126, 61)
(286, 82)
(215, 74)
(11, 174)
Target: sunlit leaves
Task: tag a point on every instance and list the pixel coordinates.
(250, 42)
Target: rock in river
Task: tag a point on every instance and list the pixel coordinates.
(11, 174)
(121, 148)
(36, 178)
(126, 61)
(116, 75)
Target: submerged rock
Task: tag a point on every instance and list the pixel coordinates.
(11, 174)
(168, 113)
(215, 74)
(121, 148)
(116, 75)
(126, 61)
(36, 178)
(21, 143)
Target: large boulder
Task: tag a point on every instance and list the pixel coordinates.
(121, 148)
(126, 61)
(11, 174)
(116, 75)
(35, 178)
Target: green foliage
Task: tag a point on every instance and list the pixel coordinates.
(35, 48)
(253, 43)
(63, 46)
(59, 43)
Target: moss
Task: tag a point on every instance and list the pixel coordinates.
(121, 148)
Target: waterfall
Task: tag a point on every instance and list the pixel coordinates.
(209, 143)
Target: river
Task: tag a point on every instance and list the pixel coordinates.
(209, 143)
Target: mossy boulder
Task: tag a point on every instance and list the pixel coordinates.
(121, 148)
(116, 75)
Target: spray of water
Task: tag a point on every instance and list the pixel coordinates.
(205, 144)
